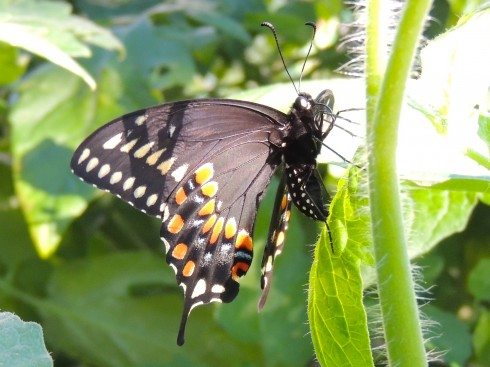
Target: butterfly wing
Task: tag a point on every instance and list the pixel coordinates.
(275, 238)
(142, 156)
(202, 167)
(307, 190)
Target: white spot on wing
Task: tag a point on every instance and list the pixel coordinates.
(140, 120)
(152, 199)
(166, 213)
(142, 151)
(174, 268)
(128, 146)
(104, 170)
(197, 222)
(113, 142)
(92, 163)
(208, 256)
(217, 288)
(116, 177)
(268, 266)
(167, 245)
(179, 173)
(84, 155)
(171, 130)
(199, 289)
(196, 304)
(139, 192)
(153, 158)
(128, 183)
(165, 166)
(198, 199)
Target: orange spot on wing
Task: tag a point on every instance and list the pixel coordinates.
(188, 268)
(209, 223)
(204, 173)
(239, 269)
(207, 209)
(210, 189)
(180, 196)
(244, 241)
(230, 228)
(175, 224)
(216, 231)
(179, 251)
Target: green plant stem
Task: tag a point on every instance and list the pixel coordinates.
(375, 55)
(404, 340)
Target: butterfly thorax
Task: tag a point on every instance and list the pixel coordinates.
(302, 147)
(302, 141)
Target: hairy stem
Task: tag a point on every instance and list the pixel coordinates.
(401, 321)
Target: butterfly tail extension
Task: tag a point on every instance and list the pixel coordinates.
(275, 238)
(183, 323)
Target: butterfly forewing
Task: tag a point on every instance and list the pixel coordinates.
(141, 157)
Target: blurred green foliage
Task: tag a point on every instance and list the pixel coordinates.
(90, 269)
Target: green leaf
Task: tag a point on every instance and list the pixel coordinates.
(22, 343)
(49, 30)
(479, 280)
(335, 308)
(481, 337)
(45, 128)
(155, 58)
(124, 310)
(25, 37)
(437, 134)
(335, 304)
(11, 64)
(484, 134)
(223, 24)
(432, 215)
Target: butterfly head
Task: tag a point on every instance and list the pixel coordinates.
(303, 104)
(316, 115)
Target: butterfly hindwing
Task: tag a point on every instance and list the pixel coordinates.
(208, 231)
(307, 190)
(276, 237)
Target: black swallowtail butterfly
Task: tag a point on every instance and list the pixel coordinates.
(202, 167)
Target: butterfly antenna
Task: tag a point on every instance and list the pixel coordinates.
(273, 30)
(312, 25)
